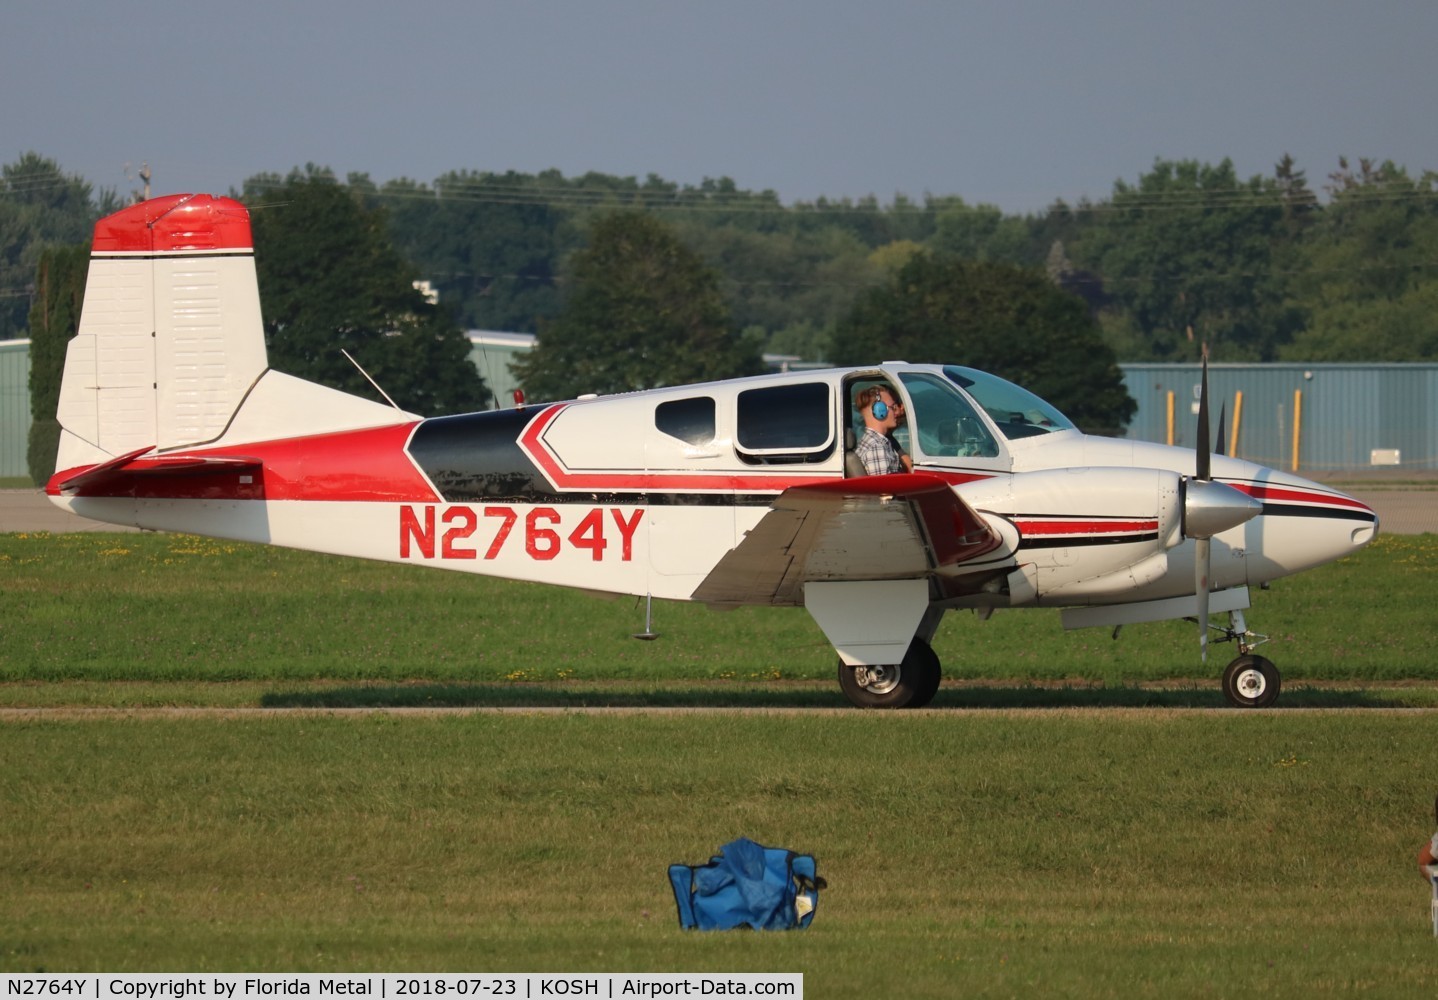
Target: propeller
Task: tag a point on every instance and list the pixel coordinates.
(1202, 545)
(1208, 508)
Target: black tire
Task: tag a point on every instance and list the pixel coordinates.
(930, 671)
(1251, 682)
(910, 684)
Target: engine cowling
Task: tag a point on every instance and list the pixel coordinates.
(1085, 533)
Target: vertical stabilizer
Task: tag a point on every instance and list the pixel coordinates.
(170, 337)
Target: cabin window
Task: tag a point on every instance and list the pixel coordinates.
(690, 420)
(786, 423)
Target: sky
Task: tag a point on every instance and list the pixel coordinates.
(1012, 103)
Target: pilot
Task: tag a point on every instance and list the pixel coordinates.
(877, 449)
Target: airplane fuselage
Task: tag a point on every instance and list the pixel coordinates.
(603, 494)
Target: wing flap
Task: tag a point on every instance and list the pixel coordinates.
(897, 527)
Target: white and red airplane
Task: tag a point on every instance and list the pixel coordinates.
(730, 493)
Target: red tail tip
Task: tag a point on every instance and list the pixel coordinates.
(176, 222)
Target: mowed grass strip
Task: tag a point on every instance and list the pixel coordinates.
(176, 608)
(1074, 853)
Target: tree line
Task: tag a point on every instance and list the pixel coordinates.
(631, 283)
(1262, 269)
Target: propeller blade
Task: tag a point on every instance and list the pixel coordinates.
(1203, 472)
(1200, 586)
(1218, 445)
(1202, 467)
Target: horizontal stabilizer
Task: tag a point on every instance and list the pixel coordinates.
(110, 477)
(103, 471)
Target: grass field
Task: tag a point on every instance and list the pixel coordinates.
(1069, 842)
(1076, 853)
(175, 610)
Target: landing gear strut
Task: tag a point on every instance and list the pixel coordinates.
(1250, 681)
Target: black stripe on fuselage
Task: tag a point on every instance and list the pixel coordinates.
(476, 456)
(1332, 513)
(1076, 541)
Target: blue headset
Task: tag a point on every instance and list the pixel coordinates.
(880, 409)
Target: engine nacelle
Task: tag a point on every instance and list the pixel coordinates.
(1123, 521)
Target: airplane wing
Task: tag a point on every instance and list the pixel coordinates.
(893, 527)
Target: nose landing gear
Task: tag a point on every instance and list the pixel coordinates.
(1250, 681)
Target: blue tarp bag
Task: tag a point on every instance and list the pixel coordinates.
(747, 885)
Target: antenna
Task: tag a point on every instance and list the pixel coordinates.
(372, 382)
(136, 196)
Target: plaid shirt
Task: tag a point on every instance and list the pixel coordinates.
(878, 453)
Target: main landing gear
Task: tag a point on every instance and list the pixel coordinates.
(1250, 681)
(910, 684)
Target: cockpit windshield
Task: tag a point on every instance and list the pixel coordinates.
(1017, 412)
(944, 421)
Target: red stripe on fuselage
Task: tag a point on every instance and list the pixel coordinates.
(1278, 494)
(1084, 527)
(368, 465)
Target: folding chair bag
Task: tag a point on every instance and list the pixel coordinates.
(747, 885)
